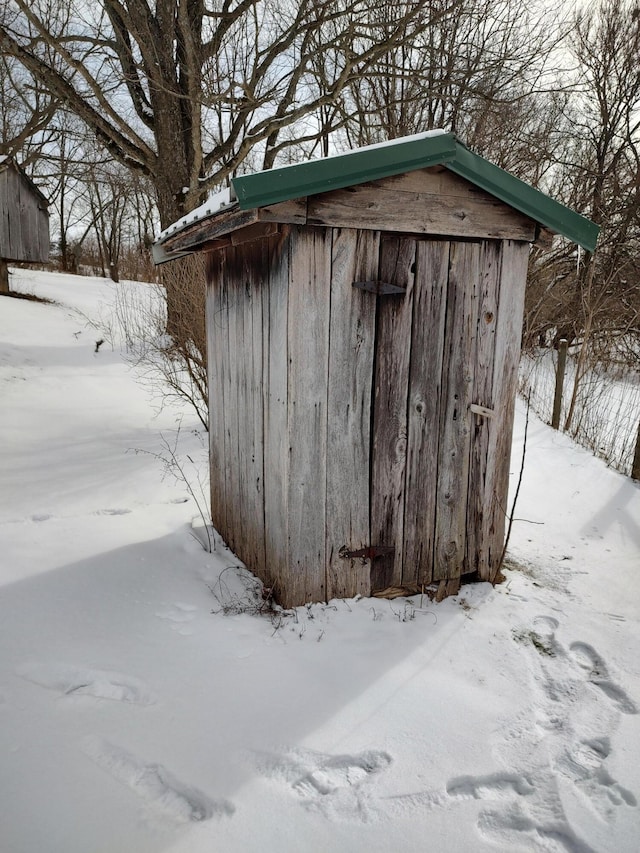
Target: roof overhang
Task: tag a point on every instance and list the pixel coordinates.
(363, 165)
(525, 198)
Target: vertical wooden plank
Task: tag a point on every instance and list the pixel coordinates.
(351, 350)
(239, 351)
(308, 334)
(258, 331)
(27, 218)
(513, 278)
(276, 402)
(217, 354)
(236, 432)
(393, 342)
(15, 229)
(425, 394)
(43, 235)
(250, 409)
(563, 346)
(453, 456)
(234, 508)
(635, 465)
(22, 219)
(486, 323)
(5, 202)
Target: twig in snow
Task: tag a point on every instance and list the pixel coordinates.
(173, 466)
(517, 491)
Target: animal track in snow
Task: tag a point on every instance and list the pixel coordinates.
(41, 516)
(113, 512)
(155, 785)
(336, 785)
(76, 680)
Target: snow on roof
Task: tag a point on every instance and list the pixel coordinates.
(387, 143)
(218, 201)
(215, 202)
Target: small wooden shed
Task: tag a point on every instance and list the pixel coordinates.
(364, 317)
(24, 219)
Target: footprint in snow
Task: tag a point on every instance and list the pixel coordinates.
(179, 615)
(590, 661)
(113, 512)
(517, 811)
(546, 625)
(81, 681)
(564, 760)
(512, 828)
(155, 785)
(583, 764)
(336, 785)
(587, 659)
(494, 786)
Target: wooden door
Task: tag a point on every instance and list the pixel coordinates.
(433, 363)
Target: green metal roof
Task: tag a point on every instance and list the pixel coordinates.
(406, 155)
(344, 170)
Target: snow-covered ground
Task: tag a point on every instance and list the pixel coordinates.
(607, 405)
(141, 710)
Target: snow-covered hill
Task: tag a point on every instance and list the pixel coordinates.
(146, 705)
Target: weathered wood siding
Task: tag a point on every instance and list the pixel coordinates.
(351, 353)
(342, 419)
(428, 201)
(425, 400)
(393, 351)
(291, 345)
(276, 405)
(457, 388)
(443, 413)
(24, 219)
(513, 276)
(479, 503)
(236, 411)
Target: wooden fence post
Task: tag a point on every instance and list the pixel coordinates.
(635, 467)
(4, 277)
(557, 399)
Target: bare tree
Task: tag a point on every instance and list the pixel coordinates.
(26, 111)
(474, 70)
(593, 299)
(183, 91)
(108, 200)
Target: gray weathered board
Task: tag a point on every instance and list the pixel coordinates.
(24, 219)
(342, 419)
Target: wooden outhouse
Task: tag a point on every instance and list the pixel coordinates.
(24, 219)
(364, 317)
